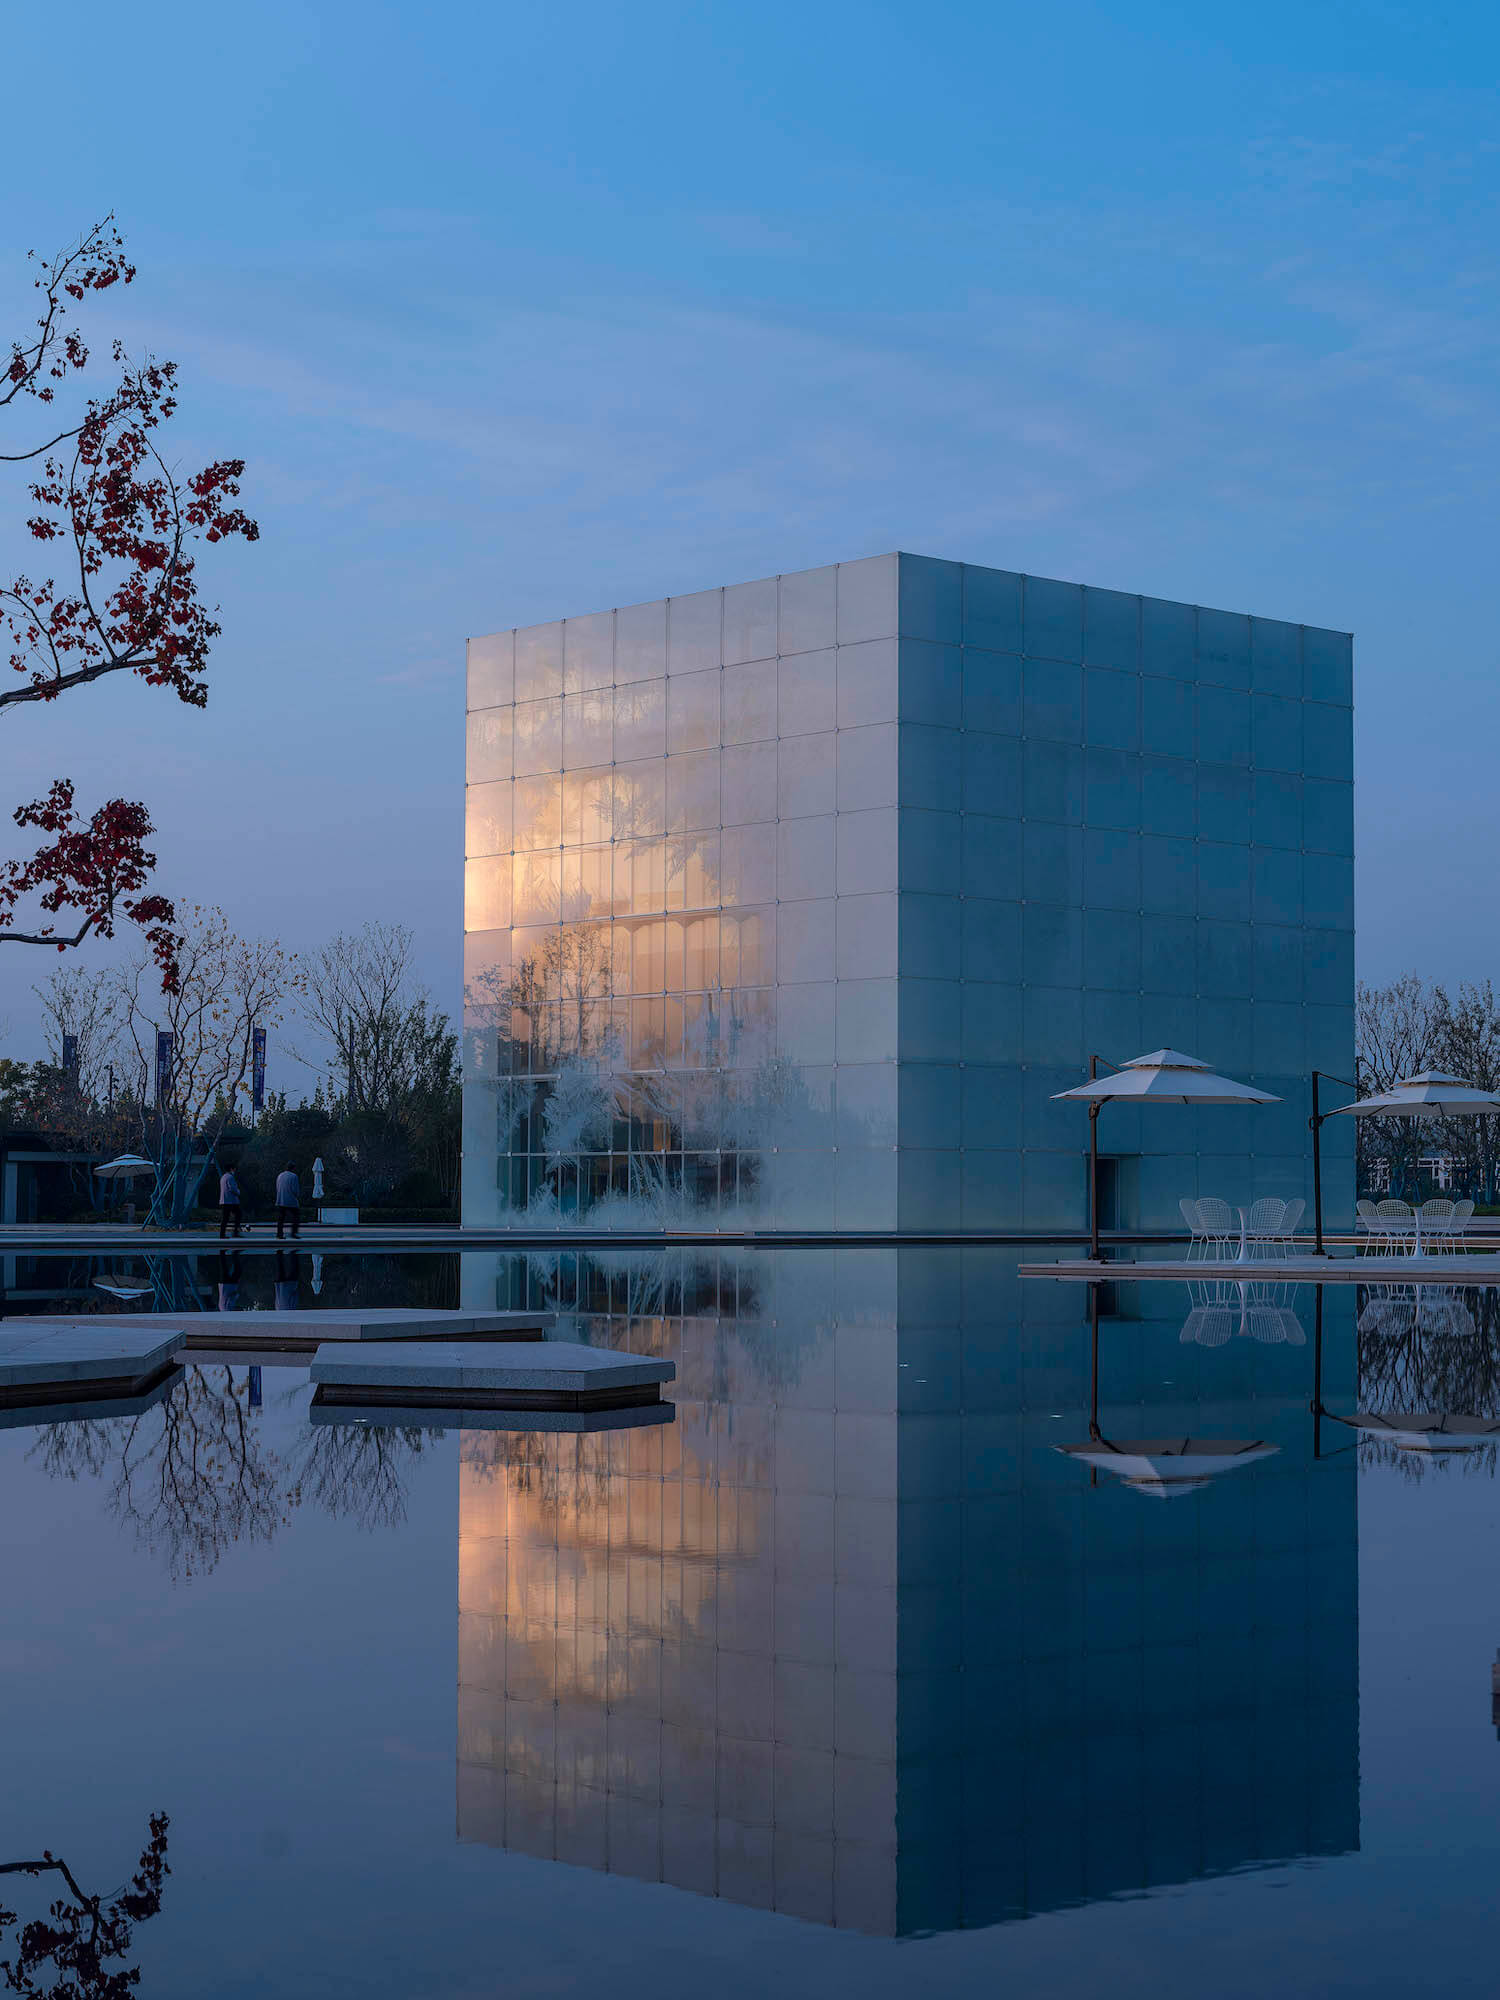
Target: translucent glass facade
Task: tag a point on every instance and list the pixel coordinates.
(790, 904)
(847, 1640)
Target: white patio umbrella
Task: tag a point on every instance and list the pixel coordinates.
(1166, 1076)
(129, 1166)
(1169, 1468)
(1432, 1094)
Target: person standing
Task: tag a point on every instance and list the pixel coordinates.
(288, 1202)
(230, 1209)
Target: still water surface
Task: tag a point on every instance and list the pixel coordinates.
(845, 1675)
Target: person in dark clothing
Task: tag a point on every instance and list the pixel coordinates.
(229, 1204)
(288, 1202)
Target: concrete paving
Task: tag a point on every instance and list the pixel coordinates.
(1308, 1270)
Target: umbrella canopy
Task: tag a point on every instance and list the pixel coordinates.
(1430, 1095)
(1167, 1076)
(129, 1166)
(122, 1287)
(1168, 1468)
(1426, 1430)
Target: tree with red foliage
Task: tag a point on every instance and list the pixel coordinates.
(128, 524)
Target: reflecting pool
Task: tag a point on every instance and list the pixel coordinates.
(882, 1646)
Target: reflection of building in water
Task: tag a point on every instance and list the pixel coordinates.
(842, 1644)
(796, 901)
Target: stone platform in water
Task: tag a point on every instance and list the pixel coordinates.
(82, 1360)
(72, 1408)
(224, 1335)
(551, 1375)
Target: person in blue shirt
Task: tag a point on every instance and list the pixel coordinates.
(229, 1204)
(288, 1202)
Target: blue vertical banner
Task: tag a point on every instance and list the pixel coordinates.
(257, 1069)
(166, 1042)
(70, 1052)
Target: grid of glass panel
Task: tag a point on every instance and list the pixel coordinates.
(1125, 824)
(793, 903)
(681, 907)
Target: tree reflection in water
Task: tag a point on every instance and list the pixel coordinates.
(193, 1475)
(1429, 1348)
(66, 1954)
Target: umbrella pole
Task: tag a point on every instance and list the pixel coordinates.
(1317, 1132)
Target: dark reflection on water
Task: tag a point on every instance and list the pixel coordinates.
(852, 1640)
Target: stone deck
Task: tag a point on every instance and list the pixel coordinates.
(80, 1360)
(546, 1375)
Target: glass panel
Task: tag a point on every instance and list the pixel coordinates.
(747, 947)
(641, 876)
(641, 720)
(538, 813)
(487, 893)
(693, 871)
(488, 745)
(1052, 616)
(805, 939)
(491, 675)
(693, 711)
(749, 783)
(588, 729)
(700, 953)
(586, 878)
(805, 858)
(588, 807)
(750, 621)
(807, 693)
(538, 661)
(537, 888)
(487, 819)
(866, 933)
(693, 791)
(867, 851)
(693, 631)
(806, 775)
(640, 642)
(748, 868)
(992, 609)
(588, 652)
(867, 599)
(749, 701)
(808, 613)
(867, 767)
(639, 799)
(931, 599)
(538, 736)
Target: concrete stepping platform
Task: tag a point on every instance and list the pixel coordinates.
(81, 1360)
(302, 1331)
(485, 1417)
(77, 1409)
(559, 1375)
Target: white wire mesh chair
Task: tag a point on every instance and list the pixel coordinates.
(1216, 1228)
(1397, 1225)
(1367, 1226)
(1435, 1220)
(1269, 1223)
(1462, 1215)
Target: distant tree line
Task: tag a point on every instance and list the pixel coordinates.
(384, 1114)
(1400, 1030)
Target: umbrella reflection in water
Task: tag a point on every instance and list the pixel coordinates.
(1161, 1468)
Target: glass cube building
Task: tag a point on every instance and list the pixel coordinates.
(792, 904)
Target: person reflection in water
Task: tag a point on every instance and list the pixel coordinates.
(229, 1281)
(69, 1950)
(288, 1279)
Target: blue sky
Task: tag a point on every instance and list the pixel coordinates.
(519, 312)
